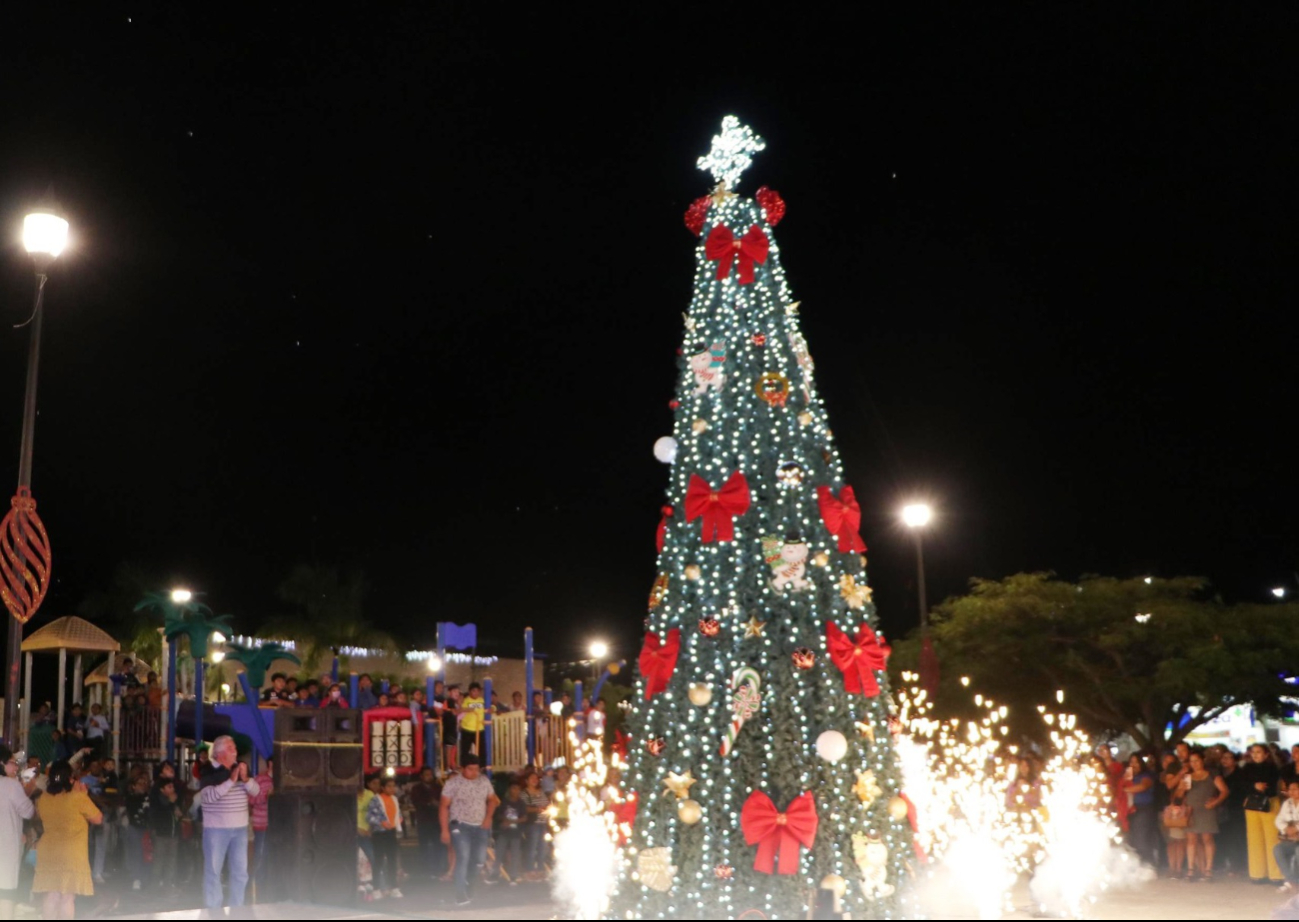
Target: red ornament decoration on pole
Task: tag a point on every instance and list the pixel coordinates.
(723, 246)
(658, 660)
(718, 508)
(24, 557)
(857, 658)
(778, 835)
(842, 517)
(663, 527)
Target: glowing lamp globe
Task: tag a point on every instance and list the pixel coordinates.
(557, 708)
(599, 649)
(916, 515)
(44, 234)
(181, 596)
(434, 663)
(832, 745)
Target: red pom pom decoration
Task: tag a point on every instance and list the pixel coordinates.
(698, 210)
(773, 206)
(759, 339)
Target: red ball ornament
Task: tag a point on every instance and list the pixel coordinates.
(710, 627)
(656, 746)
(759, 339)
(673, 404)
(773, 206)
(696, 213)
(803, 658)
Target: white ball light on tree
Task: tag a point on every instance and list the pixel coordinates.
(832, 745)
(701, 694)
(690, 812)
(665, 449)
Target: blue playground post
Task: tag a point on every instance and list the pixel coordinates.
(527, 695)
(486, 753)
(428, 690)
(354, 687)
(262, 744)
(333, 670)
(172, 703)
(595, 695)
(198, 701)
(383, 686)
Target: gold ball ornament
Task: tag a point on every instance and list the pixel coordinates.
(897, 808)
(822, 559)
(701, 695)
(613, 668)
(805, 418)
(689, 812)
(835, 884)
(699, 426)
(693, 572)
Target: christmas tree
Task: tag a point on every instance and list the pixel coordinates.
(762, 759)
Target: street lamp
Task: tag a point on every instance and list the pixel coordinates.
(1279, 592)
(599, 649)
(45, 235)
(181, 596)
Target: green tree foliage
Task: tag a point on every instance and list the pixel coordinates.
(328, 614)
(1153, 659)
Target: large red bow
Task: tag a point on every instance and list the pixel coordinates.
(778, 835)
(723, 246)
(659, 660)
(663, 528)
(857, 658)
(842, 516)
(717, 507)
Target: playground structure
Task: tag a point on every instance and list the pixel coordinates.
(509, 740)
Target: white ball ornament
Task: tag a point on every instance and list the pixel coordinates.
(832, 745)
(700, 694)
(665, 449)
(690, 812)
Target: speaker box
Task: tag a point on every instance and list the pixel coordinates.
(311, 847)
(318, 750)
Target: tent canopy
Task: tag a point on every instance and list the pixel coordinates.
(76, 635)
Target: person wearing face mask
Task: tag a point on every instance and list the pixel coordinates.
(335, 697)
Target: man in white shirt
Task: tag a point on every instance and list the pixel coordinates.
(1287, 821)
(468, 802)
(225, 792)
(15, 806)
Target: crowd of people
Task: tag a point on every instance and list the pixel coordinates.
(1197, 813)
(75, 821)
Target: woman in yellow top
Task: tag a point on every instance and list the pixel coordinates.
(63, 855)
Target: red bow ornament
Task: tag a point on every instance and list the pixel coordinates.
(842, 518)
(658, 660)
(857, 658)
(718, 508)
(723, 246)
(663, 527)
(778, 835)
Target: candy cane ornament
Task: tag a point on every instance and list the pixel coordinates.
(746, 701)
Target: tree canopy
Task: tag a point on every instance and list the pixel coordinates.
(328, 614)
(1153, 658)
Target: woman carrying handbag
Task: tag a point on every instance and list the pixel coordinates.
(1261, 807)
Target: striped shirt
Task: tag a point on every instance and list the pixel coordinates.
(225, 802)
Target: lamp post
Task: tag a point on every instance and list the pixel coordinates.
(916, 516)
(45, 234)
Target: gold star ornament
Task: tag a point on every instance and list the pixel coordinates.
(865, 730)
(721, 194)
(856, 596)
(679, 784)
(753, 627)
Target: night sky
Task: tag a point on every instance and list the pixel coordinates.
(401, 290)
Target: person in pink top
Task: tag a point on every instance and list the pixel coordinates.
(258, 814)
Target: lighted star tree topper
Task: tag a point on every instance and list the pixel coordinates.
(762, 757)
